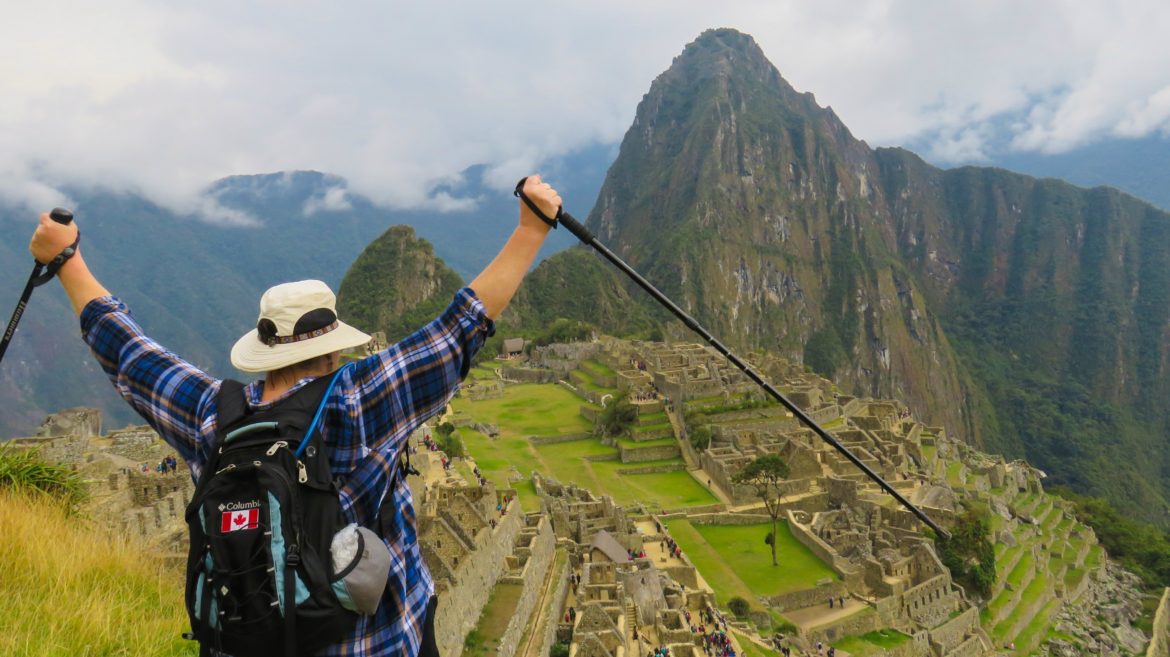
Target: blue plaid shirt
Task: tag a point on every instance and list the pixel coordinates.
(374, 406)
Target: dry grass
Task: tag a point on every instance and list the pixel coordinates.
(68, 587)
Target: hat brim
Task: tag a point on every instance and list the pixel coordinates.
(249, 354)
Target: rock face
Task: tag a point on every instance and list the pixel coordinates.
(1000, 305)
(396, 285)
(1101, 622)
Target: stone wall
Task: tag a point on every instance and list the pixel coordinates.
(68, 450)
(555, 604)
(808, 597)
(80, 422)
(730, 519)
(1160, 644)
(641, 454)
(542, 550)
(146, 488)
(653, 469)
(954, 632)
(460, 606)
(859, 623)
(818, 547)
(529, 375)
(550, 440)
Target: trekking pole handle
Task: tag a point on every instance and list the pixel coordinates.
(61, 216)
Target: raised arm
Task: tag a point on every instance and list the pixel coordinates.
(496, 284)
(164, 389)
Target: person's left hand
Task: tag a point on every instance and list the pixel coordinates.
(51, 238)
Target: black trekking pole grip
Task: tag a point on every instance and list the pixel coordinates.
(61, 216)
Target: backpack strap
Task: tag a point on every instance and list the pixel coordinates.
(231, 405)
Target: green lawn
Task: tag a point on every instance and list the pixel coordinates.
(528, 410)
(548, 410)
(597, 368)
(493, 620)
(875, 642)
(726, 554)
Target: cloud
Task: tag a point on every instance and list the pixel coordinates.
(334, 199)
(160, 99)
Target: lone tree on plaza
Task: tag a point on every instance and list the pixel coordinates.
(765, 474)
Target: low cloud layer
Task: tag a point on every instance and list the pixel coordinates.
(161, 100)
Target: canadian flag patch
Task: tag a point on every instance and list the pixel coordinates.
(234, 521)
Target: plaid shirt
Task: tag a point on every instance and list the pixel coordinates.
(374, 406)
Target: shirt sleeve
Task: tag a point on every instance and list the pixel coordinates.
(401, 387)
(168, 392)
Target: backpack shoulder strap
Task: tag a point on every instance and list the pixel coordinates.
(231, 405)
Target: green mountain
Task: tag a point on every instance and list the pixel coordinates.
(577, 285)
(396, 285)
(1028, 317)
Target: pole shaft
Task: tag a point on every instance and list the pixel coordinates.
(19, 311)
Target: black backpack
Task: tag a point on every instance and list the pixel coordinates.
(261, 521)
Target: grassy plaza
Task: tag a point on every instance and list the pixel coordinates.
(714, 549)
(546, 410)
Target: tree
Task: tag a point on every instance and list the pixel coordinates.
(617, 417)
(969, 553)
(765, 475)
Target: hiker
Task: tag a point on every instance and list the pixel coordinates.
(375, 405)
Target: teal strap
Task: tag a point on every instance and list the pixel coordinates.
(317, 415)
(247, 429)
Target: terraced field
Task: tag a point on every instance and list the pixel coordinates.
(1047, 564)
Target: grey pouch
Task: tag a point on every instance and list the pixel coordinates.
(361, 563)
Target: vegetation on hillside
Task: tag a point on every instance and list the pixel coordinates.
(969, 553)
(396, 285)
(1140, 547)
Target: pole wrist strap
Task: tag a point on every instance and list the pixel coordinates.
(54, 265)
(519, 191)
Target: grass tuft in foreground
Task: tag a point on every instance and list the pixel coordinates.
(70, 588)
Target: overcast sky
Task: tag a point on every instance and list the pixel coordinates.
(162, 98)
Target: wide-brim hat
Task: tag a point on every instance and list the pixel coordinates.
(298, 321)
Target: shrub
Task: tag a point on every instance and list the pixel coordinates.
(559, 650)
(739, 606)
(25, 471)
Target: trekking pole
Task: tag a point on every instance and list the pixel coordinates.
(41, 274)
(565, 219)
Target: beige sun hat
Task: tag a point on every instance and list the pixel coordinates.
(298, 321)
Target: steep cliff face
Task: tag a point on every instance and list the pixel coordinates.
(396, 285)
(1028, 316)
(760, 213)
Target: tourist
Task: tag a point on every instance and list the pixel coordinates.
(830, 602)
(375, 405)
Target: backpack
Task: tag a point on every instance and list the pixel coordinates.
(261, 522)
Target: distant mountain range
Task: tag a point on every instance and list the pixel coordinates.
(195, 285)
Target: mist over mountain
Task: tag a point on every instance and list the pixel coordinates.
(195, 286)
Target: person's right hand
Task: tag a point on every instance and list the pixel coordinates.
(51, 238)
(545, 198)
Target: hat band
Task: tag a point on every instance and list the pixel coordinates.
(274, 340)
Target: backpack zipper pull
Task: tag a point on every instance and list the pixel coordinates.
(302, 473)
(276, 446)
